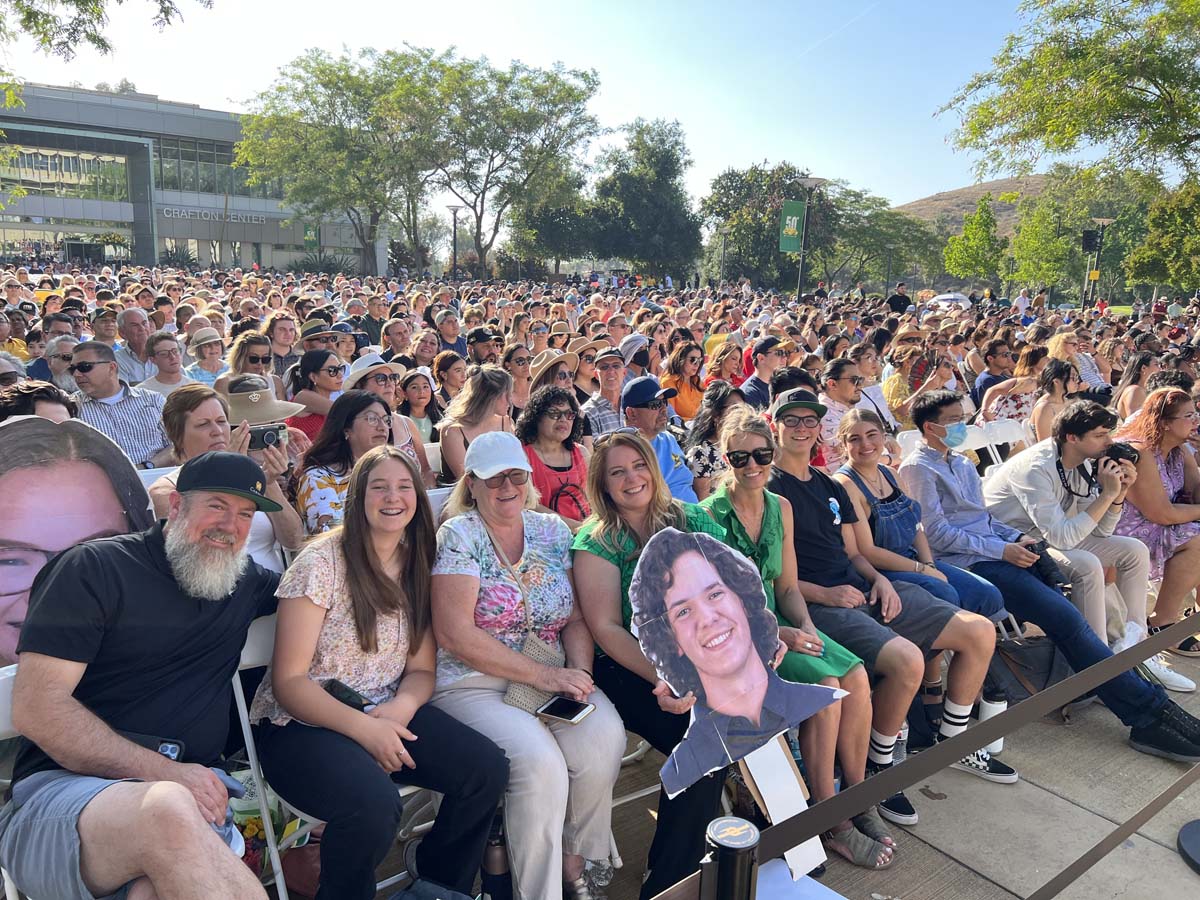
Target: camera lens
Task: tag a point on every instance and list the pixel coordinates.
(270, 438)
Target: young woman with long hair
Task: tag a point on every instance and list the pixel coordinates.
(517, 360)
(482, 406)
(316, 382)
(1130, 392)
(1056, 382)
(683, 374)
(725, 365)
(355, 607)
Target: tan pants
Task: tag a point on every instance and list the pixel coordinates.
(560, 780)
(1085, 567)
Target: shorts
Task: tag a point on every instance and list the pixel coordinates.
(861, 630)
(39, 834)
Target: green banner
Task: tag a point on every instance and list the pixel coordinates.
(312, 237)
(790, 219)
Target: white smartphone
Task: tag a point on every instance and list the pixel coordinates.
(564, 709)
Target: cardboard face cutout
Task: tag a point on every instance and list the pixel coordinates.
(700, 615)
(60, 484)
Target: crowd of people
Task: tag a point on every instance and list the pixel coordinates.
(301, 422)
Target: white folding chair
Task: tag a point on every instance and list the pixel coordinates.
(908, 441)
(260, 642)
(149, 476)
(7, 732)
(433, 452)
(437, 500)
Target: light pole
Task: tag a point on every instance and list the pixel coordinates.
(725, 229)
(1094, 285)
(810, 185)
(887, 279)
(454, 208)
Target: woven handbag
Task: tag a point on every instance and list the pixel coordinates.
(526, 696)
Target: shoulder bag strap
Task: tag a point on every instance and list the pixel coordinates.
(508, 567)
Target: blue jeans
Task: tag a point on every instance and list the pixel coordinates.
(1134, 701)
(961, 588)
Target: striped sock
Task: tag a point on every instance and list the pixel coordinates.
(954, 718)
(881, 749)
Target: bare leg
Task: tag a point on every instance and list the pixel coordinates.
(1181, 575)
(818, 743)
(153, 832)
(572, 866)
(973, 640)
(898, 669)
(855, 731)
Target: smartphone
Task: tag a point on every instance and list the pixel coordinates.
(343, 693)
(362, 340)
(564, 709)
(264, 436)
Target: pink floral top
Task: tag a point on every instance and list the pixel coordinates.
(464, 548)
(319, 573)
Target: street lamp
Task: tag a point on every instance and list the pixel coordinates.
(810, 185)
(725, 229)
(454, 208)
(1090, 293)
(887, 279)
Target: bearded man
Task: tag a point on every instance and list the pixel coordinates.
(122, 694)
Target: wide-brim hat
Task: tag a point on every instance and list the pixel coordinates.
(365, 365)
(908, 330)
(260, 407)
(316, 328)
(588, 346)
(560, 328)
(205, 336)
(548, 359)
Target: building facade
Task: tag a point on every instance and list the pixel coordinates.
(112, 177)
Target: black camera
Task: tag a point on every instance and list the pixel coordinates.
(1120, 450)
(1046, 569)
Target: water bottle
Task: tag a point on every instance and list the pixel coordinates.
(495, 878)
(900, 753)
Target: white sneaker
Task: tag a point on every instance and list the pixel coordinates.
(1170, 679)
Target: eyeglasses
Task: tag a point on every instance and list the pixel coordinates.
(85, 367)
(76, 318)
(557, 415)
(334, 371)
(383, 378)
(167, 353)
(517, 476)
(256, 360)
(654, 405)
(739, 459)
(373, 419)
(797, 421)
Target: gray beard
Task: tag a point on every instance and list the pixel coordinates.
(204, 572)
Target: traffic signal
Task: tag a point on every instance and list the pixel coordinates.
(1091, 241)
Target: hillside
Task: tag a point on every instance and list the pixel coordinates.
(951, 206)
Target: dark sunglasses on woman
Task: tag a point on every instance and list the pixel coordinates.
(739, 459)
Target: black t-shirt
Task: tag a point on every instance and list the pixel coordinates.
(899, 303)
(159, 662)
(820, 506)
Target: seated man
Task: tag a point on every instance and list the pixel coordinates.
(123, 692)
(961, 532)
(644, 403)
(1050, 491)
(893, 628)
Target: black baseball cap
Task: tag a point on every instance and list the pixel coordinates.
(480, 335)
(797, 398)
(226, 473)
(610, 353)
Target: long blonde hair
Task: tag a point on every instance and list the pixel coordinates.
(743, 419)
(665, 510)
(478, 397)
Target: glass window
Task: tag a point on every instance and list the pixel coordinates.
(189, 178)
(187, 150)
(208, 177)
(170, 175)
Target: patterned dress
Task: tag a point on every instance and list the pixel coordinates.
(1161, 540)
(321, 498)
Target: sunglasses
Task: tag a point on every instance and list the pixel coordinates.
(588, 359)
(739, 459)
(62, 357)
(255, 360)
(557, 415)
(383, 378)
(654, 405)
(324, 340)
(564, 375)
(517, 476)
(612, 367)
(796, 421)
(85, 367)
(334, 371)
(541, 331)
(520, 360)
(609, 435)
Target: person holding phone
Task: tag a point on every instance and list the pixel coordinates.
(503, 573)
(354, 616)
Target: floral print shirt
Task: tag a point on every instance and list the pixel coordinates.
(319, 573)
(464, 548)
(321, 498)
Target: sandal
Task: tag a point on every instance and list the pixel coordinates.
(859, 849)
(870, 824)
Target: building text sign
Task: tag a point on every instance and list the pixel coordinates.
(212, 215)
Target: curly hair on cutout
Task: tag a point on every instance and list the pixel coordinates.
(648, 592)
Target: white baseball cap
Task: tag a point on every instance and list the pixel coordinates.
(495, 452)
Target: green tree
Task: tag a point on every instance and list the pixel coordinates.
(1170, 251)
(977, 252)
(643, 209)
(505, 134)
(348, 136)
(555, 223)
(1119, 74)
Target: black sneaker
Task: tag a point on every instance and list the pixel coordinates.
(1165, 738)
(896, 808)
(1182, 721)
(982, 764)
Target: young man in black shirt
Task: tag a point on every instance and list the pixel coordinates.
(123, 692)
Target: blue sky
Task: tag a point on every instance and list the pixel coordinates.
(847, 89)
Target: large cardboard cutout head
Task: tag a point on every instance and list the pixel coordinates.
(60, 484)
(700, 615)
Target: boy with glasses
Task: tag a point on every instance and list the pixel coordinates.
(842, 391)
(164, 350)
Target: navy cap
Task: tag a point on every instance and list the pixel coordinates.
(226, 473)
(643, 390)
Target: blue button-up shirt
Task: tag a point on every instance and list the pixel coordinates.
(957, 524)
